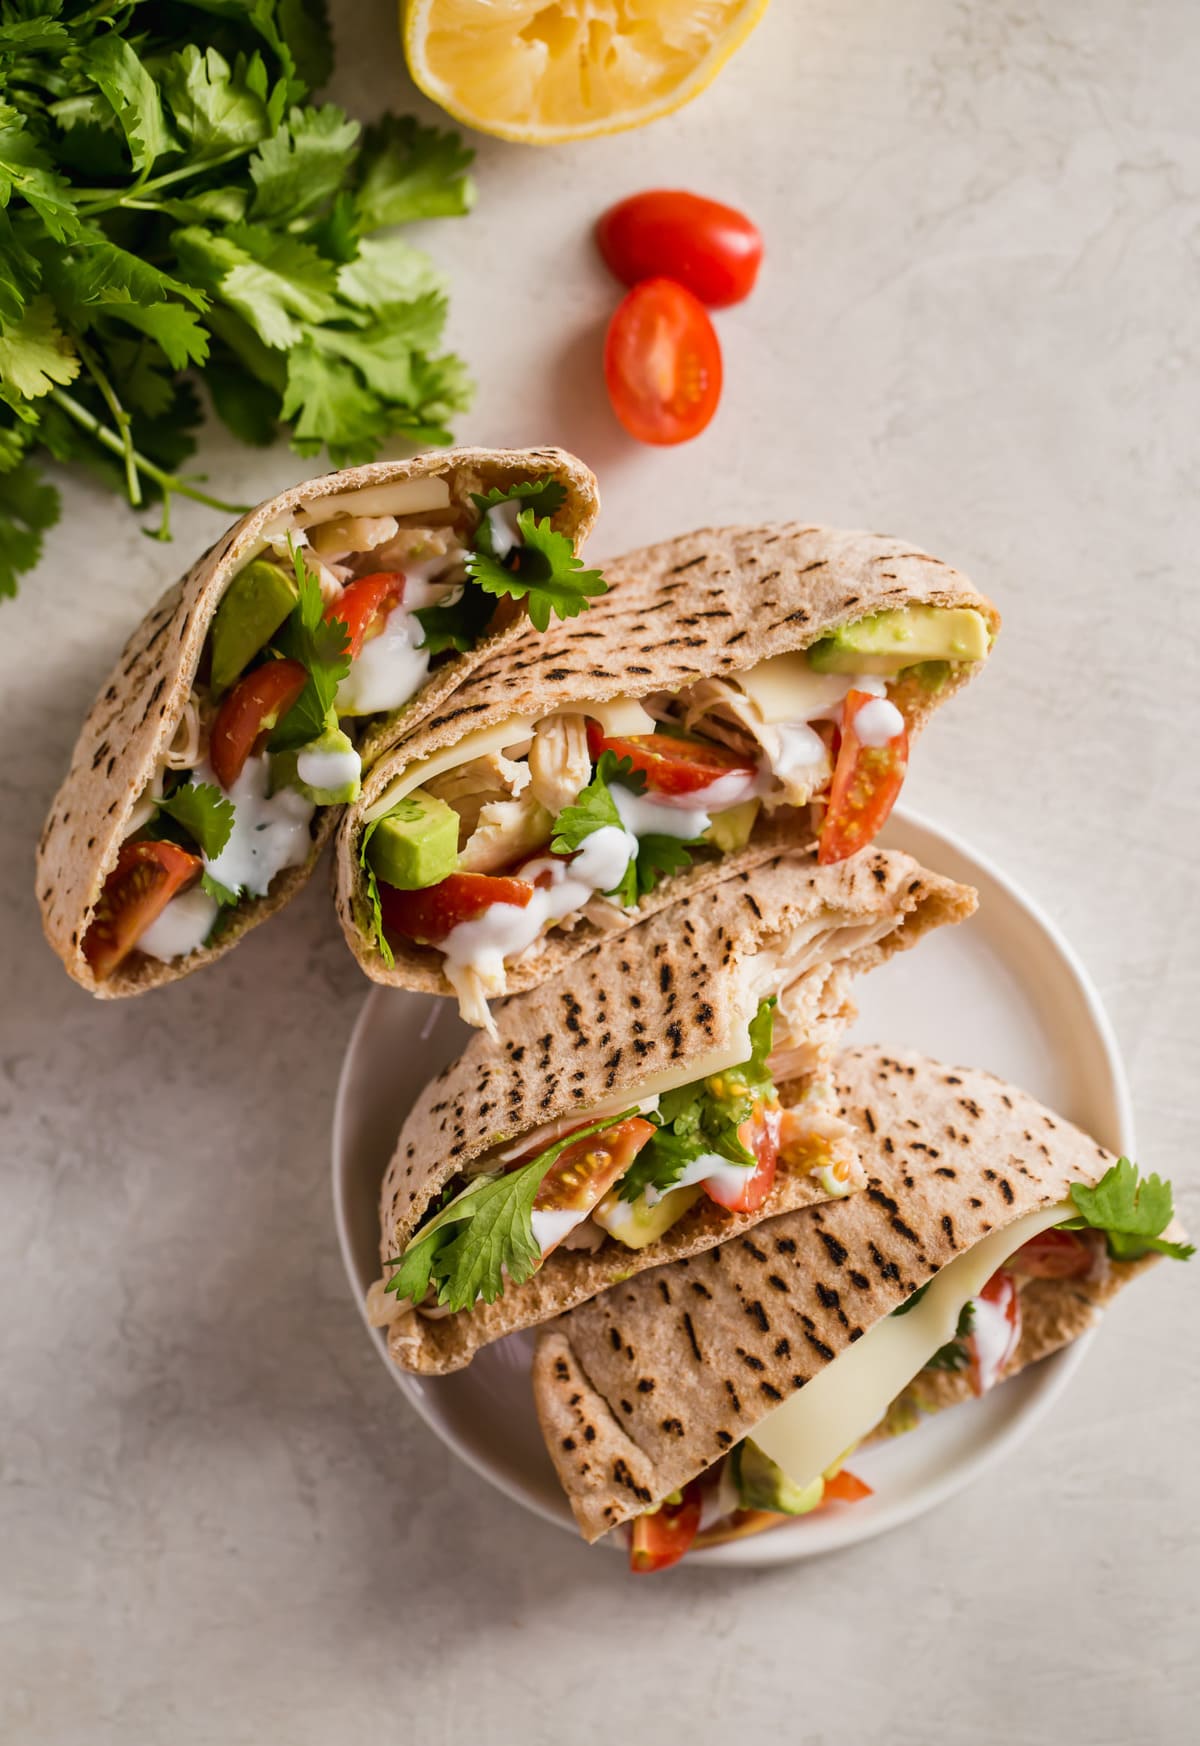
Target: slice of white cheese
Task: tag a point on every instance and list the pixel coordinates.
(620, 715)
(785, 688)
(849, 1397)
(404, 497)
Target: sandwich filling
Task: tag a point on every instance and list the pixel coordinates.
(574, 817)
(627, 1176)
(338, 619)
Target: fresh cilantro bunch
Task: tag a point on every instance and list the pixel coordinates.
(174, 209)
(705, 1117)
(484, 1234)
(657, 855)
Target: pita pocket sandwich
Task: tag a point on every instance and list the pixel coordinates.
(628, 1113)
(244, 708)
(738, 686)
(722, 1395)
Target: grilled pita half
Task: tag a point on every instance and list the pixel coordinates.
(133, 721)
(711, 604)
(671, 999)
(642, 1390)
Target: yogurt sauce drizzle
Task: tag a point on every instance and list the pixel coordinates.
(270, 831)
(183, 926)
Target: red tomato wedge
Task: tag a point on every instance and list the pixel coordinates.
(761, 1136)
(144, 880)
(661, 1539)
(362, 606)
(429, 915)
(866, 782)
(584, 1171)
(662, 363)
(670, 763)
(712, 250)
(1053, 1255)
(997, 1330)
(846, 1488)
(257, 703)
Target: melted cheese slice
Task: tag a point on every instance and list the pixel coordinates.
(847, 1399)
(785, 688)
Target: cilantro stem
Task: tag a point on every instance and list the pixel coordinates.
(108, 393)
(104, 199)
(168, 482)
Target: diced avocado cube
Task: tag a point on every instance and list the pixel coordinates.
(731, 830)
(887, 642)
(636, 1223)
(327, 771)
(416, 844)
(252, 609)
(764, 1486)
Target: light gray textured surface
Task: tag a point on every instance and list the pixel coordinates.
(978, 325)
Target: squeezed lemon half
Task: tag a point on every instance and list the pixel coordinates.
(541, 71)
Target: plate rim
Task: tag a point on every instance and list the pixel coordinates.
(782, 1547)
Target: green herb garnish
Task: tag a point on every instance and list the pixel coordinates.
(1130, 1210)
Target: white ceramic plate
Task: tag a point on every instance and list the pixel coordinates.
(1004, 991)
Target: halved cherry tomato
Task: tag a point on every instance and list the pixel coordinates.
(846, 1488)
(1053, 1255)
(429, 915)
(759, 1135)
(670, 763)
(661, 1538)
(362, 606)
(584, 1171)
(997, 1330)
(144, 880)
(866, 782)
(712, 250)
(662, 363)
(257, 703)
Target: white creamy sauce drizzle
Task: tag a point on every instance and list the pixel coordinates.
(323, 769)
(800, 746)
(270, 831)
(502, 520)
(992, 1334)
(183, 926)
(644, 816)
(878, 722)
(506, 928)
(388, 669)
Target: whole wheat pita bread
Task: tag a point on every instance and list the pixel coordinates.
(641, 1390)
(710, 604)
(668, 992)
(131, 724)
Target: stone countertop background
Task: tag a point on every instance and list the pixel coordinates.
(978, 326)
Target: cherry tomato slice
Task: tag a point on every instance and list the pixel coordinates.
(866, 782)
(712, 250)
(362, 606)
(429, 915)
(257, 703)
(662, 363)
(670, 763)
(1053, 1255)
(759, 1135)
(661, 1538)
(996, 1332)
(584, 1171)
(144, 880)
(845, 1488)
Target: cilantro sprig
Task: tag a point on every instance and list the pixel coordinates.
(174, 209)
(657, 855)
(1131, 1210)
(705, 1117)
(484, 1234)
(322, 646)
(200, 809)
(377, 934)
(542, 568)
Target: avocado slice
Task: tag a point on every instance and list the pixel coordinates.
(252, 609)
(764, 1486)
(327, 771)
(416, 844)
(731, 829)
(887, 642)
(636, 1223)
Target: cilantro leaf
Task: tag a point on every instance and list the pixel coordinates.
(547, 494)
(382, 944)
(323, 647)
(27, 172)
(1132, 1212)
(217, 107)
(595, 807)
(178, 331)
(35, 354)
(303, 163)
(483, 1234)
(408, 171)
(112, 62)
(28, 506)
(203, 812)
(222, 893)
(543, 570)
(387, 270)
(455, 624)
